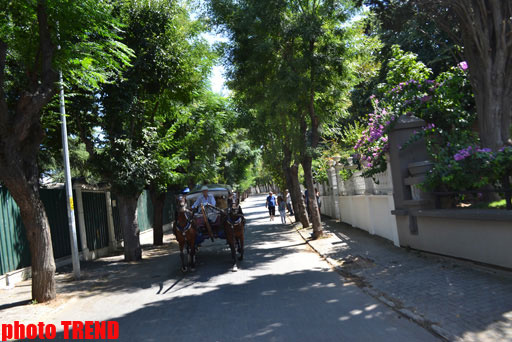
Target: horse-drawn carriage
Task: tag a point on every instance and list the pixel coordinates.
(215, 214)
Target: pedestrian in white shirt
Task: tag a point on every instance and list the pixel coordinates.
(281, 204)
(289, 202)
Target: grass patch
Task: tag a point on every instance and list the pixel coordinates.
(501, 204)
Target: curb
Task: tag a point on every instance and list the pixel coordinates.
(382, 297)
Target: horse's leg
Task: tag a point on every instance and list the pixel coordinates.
(182, 256)
(189, 253)
(230, 238)
(192, 243)
(241, 246)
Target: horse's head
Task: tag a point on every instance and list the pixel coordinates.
(181, 202)
(234, 210)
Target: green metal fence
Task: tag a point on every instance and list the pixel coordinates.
(169, 207)
(54, 201)
(14, 249)
(145, 211)
(95, 217)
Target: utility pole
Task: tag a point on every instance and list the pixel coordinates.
(69, 188)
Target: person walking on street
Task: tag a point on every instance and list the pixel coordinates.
(318, 199)
(308, 209)
(282, 209)
(271, 205)
(288, 200)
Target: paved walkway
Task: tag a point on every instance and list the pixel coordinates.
(283, 291)
(458, 300)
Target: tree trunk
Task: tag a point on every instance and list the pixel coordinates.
(486, 32)
(494, 104)
(487, 36)
(37, 228)
(158, 200)
(130, 226)
(24, 188)
(20, 140)
(307, 157)
(299, 206)
(313, 204)
(20, 173)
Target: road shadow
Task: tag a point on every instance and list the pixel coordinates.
(266, 308)
(161, 264)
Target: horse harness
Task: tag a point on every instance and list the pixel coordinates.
(184, 230)
(235, 223)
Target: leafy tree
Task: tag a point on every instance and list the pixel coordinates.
(484, 29)
(138, 107)
(400, 22)
(90, 51)
(364, 51)
(277, 136)
(237, 157)
(488, 50)
(51, 164)
(289, 52)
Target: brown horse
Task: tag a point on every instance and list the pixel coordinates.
(185, 231)
(234, 225)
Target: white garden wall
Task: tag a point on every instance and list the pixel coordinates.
(361, 202)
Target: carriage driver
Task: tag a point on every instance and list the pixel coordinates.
(206, 198)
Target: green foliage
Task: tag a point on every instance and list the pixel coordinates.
(139, 127)
(445, 103)
(129, 163)
(402, 22)
(284, 59)
(88, 35)
(204, 138)
(364, 66)
(320, 167)
(469, 168)
(51, 163)
(341, 141)
(402, 67)
(237, 157)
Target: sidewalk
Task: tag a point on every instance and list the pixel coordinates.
(458, 300)
(103, 276)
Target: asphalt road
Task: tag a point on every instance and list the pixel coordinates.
(282, 292)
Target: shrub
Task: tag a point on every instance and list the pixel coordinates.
(469, 168)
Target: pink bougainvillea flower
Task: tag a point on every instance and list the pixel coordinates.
(463, 65)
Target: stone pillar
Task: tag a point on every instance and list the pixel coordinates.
(333, 180)
(338, 192)
(112, 242)
(81, 223)
(400, 159)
